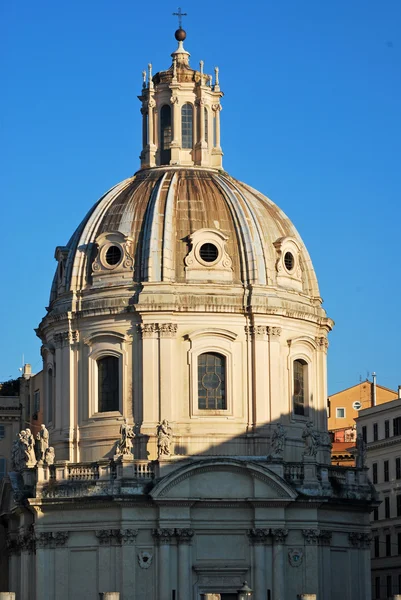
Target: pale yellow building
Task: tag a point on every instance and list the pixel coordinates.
(344, 406)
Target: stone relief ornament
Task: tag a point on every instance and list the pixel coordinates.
(184, 536)
(145, 559)
(311, 535)
(360, 451)
(164, 436)
(259, 536)
(278, 441)
(124, 445)
(279, 535)
(295, 557)
(311, 440)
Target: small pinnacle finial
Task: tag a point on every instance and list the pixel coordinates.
(143, 79)
(174, 67)
(201, 63)
(150, 71)
(216, 74)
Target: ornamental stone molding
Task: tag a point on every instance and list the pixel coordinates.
(256, 331)
(163, 536)
(359, 540)
(259, 536)
(311, 535)
(26, 542)
(325, 537)
(65, 338)
(49, 539)
(274, 332)
(322, 343)
(152, 330)
(279, 535)
(184, 536)
(167, 330)
(107, 537)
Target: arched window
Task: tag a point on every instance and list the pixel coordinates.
(206, 117)
(165, 134)
(187, 126)
(212, 381)
(108, 384)
(299, 385)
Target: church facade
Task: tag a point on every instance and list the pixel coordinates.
(184, 378)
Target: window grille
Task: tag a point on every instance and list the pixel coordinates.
(187, 126)
(212, 381)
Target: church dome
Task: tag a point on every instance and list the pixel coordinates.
(185, 225)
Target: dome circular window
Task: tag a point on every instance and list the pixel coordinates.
(289, 261)
(208, 252)
(113, 255)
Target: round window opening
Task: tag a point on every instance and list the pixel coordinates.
(357, 405)
(289, 261)
(208, 252)
(113, 255)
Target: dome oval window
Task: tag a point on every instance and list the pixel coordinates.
(209, 252)
(289, 261)
(113, 255)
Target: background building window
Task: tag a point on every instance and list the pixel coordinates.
(187, 126)
(375, 432)
(398, 468)
(2, 432)
(377, 587)
(388, 545)
(389, 586)
(399, 505)
(376, 514)
(108, 388)
(399, 546)
(165, 135)
(36, 403)
(340, 413)
(364, 434)
(387, 508)
(376, 546)
(2, 468)
(374, 472)
(397, 426)
(386, 473)
(386, 429)
(211, 381)
(299, 375)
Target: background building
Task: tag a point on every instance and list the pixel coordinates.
(184, 389)
(343, 410)
(381, 429)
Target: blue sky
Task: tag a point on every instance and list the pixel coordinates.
(311, 117)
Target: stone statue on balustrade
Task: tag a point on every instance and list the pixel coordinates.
(42, 443)
(360, 451)
(164, 436)
(23, 450)
(277, 442)
(124, 445)
(49, 456)
(311, 439)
